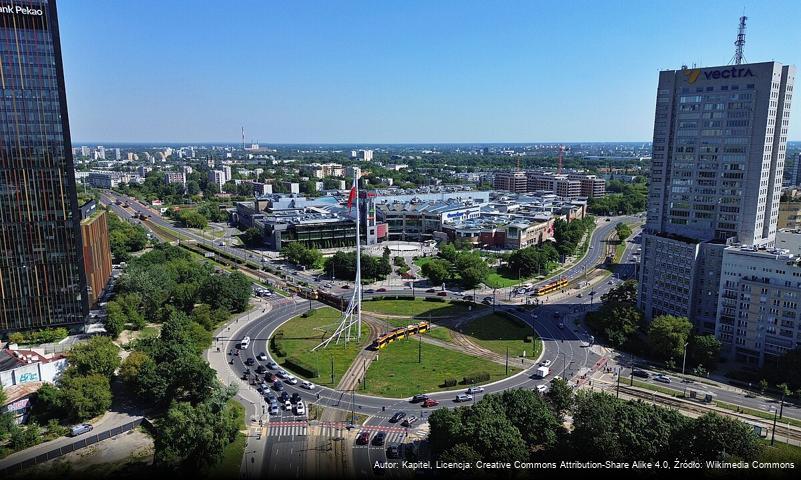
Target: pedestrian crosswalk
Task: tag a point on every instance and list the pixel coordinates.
(283, 429)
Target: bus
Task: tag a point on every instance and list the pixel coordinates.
(400, 333)
(245, 343)
(551, 287)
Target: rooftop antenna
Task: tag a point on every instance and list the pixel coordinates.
(738, 52)
(243, 138)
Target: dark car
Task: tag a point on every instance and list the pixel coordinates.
(382, 289)
(270, 377)
(363, 438)
(640, 373)
(261, 369)
(295, 398)
(284, 396)
(468, 298)
(272, 366)
(250, 361)
(442, 294)
(419, 398)
(278, 386)
(430, 290)
(397, 417)
(379, 438)
(393, 451)
(369, 290)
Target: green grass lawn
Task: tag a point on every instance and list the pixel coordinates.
(416, 308)
(303, 334)
(619, 249)
(231, 461)
(757, 413)
(780, 452)
(396, 372)
(497, 333)
(500, 280)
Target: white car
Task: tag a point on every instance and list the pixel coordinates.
(291, 379)
(463, 397)
(282, 374)
(287, 405)
(307, 385)
(542, 388)
(662, 378)
(545, 363)
(300, 408)
(472, 390)
(261, 357)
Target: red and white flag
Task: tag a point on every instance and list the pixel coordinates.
(352, 195)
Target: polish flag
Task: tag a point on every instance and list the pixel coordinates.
(352, 195)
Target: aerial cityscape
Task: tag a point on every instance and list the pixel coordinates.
(363, 240)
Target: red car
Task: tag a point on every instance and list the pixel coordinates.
(430, 402)
(381, 290)
(442, 294)
(363, 438)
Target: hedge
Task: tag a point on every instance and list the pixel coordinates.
(476, 378)
(435, 299)
(275, 346)
(450, 382)
(300, 367)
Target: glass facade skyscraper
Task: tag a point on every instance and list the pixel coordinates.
(42, 278)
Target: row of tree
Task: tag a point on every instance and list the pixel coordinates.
(468, 267)
(568, 235)
(124, 238)
(521, 425)
(342, 265)
(300, 254)
(632, 198)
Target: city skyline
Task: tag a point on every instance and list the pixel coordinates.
(433, 74)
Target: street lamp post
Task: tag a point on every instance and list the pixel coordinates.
(684, 361)
(773, 432)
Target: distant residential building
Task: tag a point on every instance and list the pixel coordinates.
(228, 175)
(117, 154)
(515, 182)
(792, 171)
(143, 170)
(104, 180)
(217, 177)
(789, 215)
(292, 187)
(364, 155)
(175, 177)
(187, 169)
(322, 170)
(85, 151)
(759, 305)
(132, 157)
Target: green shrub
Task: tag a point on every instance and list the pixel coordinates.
(476, 378)
(450, 382)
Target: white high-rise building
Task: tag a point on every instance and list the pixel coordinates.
(217, 177)
(720, 135)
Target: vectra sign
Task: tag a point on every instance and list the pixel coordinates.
(733, 72)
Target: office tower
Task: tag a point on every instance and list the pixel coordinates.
(792, 171)
(515, 182)
(719, 142)
(42, 277)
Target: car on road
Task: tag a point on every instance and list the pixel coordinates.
(662, 378)
(282, 374)
(328, 285)
(345, 285)
(291, 379)
(610, 282)
(369, 290)
(270, 377)
(393, 451)
(442, 294)
(307, 385)
(382, 289)
(270, 397)
(278, 386)
(608, 220)
(274, 409)
(287, 405)
(363, 438)
(580, 295)
(640, 373)
(379, 438)
(397, 417)
(545, 363)
(474, 390)
(300, 408)
(487, 300)
(430, 290)
(409, 421)
(561, 325)
(272, 365)
(295, 398)
(261, 369)
(463, 397)
(420, 397)
(468, 298)
(430, 402)
(261, 357)
(542, 388)
(250, 361)
(76, 430)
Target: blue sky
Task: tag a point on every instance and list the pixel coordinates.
(395, 71)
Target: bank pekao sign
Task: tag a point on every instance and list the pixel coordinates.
(20, 10)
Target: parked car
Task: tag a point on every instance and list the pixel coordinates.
(420, 397)
(307, 385)
(345, 285)
(270, 397)
(468, 298)
(463, 397)
(580, 295)
(300, 408)
(363, 438)
(662, 378)
(409, 421)
(379, 438)
(284, 396)
(270, 377)
(561, 325)
(274, 409)
(640, 373)
(369, 290)
(261, 369)
(76, 430)
(430, 402)
(295, 398)
(287, 405)
(397, 417)
(542, 388)
(474, 390)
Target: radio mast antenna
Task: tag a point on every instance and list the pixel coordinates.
(243, 138)
(740, 42)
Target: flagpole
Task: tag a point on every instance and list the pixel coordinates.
(357, 173)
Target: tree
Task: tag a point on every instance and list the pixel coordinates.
(532, 416)
(84, 396)
(229, 291)
(97, 356)
(437, 271)
(445, 427)
(704, 350)
(668, 334)
(472, 269)
(623, 231)
(132, 366)
(448, 252)
(115, 319)
(560, 396)
(715, 437)
(461, 452)
(252, 237)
